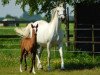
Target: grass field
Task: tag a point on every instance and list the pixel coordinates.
(15, 71)
(75, 63)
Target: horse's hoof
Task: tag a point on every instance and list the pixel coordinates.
(62, 68)
(25, 69)
(40, 67)
(34, 72)
(21, 70)
(30, 71)
(49, 69)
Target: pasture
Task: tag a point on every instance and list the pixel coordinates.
(75, 63)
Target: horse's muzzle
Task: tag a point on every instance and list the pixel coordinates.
(63, 19)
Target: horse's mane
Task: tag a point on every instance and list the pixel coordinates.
(53, 13)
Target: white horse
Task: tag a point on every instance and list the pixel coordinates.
(47, 34)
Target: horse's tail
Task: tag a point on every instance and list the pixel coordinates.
(22, 32)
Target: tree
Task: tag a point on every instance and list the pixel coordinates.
(9, 16)
(46, 5)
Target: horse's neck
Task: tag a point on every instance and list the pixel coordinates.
(54, 22)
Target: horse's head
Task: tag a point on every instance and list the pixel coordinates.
(60, 9)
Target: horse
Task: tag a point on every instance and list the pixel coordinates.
(48, 34)
(29, 45)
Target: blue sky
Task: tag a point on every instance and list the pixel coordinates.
(13, 9)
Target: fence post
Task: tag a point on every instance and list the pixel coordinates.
(67, 26)
(67, 23)
(75, 26)
(93, 49)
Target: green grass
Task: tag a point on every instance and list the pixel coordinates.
(15, 71)
(7, 31)
(9, 40)
(75, 63)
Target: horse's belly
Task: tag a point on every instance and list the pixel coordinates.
(44, 44)
(42, 40)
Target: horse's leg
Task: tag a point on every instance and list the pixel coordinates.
(39, 66)
(21, 59)
(39, 50)
(48, 58)
(25, 60)
(38, 55)
(61, 55)
(33, 63)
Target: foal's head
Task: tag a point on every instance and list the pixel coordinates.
(34, 28)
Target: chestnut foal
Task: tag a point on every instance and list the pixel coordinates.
(29, 45)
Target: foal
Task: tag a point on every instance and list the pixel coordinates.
(29, 45)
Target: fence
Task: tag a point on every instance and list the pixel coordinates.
(14, 36)
(14, 44)
(13, 23)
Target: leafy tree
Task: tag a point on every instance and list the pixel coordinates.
(9, 16)
(46, 5)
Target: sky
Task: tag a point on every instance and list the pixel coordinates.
(13, 10)
(10, 9)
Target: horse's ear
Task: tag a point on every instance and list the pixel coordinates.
(32, 26)
(61, 4)
(37, 26)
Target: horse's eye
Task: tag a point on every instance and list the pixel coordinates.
(57, 10)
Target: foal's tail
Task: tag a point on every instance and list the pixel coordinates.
(23, 32)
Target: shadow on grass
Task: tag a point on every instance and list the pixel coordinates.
(79, 66)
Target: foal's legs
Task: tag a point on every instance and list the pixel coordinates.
(33, 63)
(21, 59)
(25, 54)
(61, 55)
